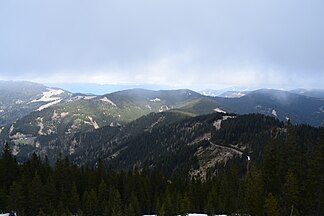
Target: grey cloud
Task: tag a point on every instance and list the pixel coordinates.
(212, 42)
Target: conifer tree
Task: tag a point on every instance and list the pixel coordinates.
(270, 167)
(16, 197)
(90, 202)
(291, 192)
(37, 196)
(254, 192)
(161, 211)
(319, 175)
(184, 204)
(102, 196)
(115, 203)
(129, 211)
(271, 205)
(41, 213)
(135, 204)
(3, 197)
(8, 168)
(61, 209)
(212, 200)
(74, 199)
(51, 194)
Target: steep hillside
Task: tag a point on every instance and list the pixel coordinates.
(171, 141)
(18, 99)
(242, 165)
(197, 145)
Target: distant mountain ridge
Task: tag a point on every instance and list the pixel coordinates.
(317, 93)
(281, 104)
(51, 116)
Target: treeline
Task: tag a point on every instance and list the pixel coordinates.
(286, 179)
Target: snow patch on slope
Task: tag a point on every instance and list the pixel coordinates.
(81, 97)
(94, 123)
(321, 109)
(49, 104)
(64, 114)
(15, 151)
(219, 110)
(234, 94)
(105, 99)
(40, 125)
(76, 98)
(89, 97)
(155, 100)
(11, 129)
(217, 124)
(54, 116)
(274, 112)
(19, 101)
(48, 96)
(163, 108)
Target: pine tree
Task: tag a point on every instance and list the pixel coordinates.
(135, 204)
(3, 197)
(168, 205)
(61, 210)
(270, 167)
(184, 204)
(130, 210)
(51, 194)
(8, 168)
(16, 197)
(90, 202)
(271, 206)
(161, 211)
(54, 213)
(102, 195)
(36, 193)
(115, 203)
(254, 192)
(212, 198)
(291, 148)
(74, 199)
(41, 213)
(291, 192)
(319, 176)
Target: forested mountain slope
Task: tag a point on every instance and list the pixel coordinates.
(268, 168)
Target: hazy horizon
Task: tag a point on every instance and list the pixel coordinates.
(100, 89)
(180, 44)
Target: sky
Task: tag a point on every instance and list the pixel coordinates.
(177, 43)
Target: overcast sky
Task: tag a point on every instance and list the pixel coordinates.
(185, 43)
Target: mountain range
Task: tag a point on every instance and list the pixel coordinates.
(137, 127)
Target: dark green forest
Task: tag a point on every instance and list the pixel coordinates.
(287, 178)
